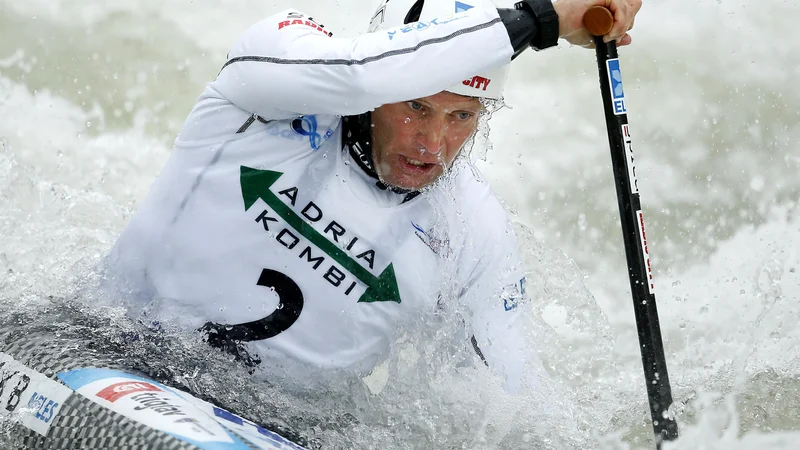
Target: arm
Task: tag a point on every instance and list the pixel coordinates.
(286, 65)
(495, 293)
(498, 322)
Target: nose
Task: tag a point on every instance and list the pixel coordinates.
(431, 134)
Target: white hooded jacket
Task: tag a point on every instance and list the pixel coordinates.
(262, 223)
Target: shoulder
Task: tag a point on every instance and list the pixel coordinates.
(483, 239)
(477, 202)
(479, 228)
(293, 20)
(290, 18)
(286, 25)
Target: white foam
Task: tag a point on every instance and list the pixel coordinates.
(67, 194)
(713, 115)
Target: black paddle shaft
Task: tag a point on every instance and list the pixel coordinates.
(636, 245)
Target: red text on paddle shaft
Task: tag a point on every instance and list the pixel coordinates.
(650, 286)
(477, 82)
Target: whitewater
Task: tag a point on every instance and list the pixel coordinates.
(93, 93)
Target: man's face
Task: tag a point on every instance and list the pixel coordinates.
(414, 142)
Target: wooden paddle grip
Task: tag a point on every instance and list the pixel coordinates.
(598, 20)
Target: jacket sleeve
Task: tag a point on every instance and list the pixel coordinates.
(496, 296)
(498, 324)
(288, 65)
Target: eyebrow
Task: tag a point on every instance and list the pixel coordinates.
(461, 107)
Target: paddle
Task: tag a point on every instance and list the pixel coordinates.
(599, 21)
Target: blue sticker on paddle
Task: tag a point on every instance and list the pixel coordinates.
(615, 83)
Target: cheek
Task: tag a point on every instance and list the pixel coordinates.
(403, 131)
(381, 136)
(455, 142)
(392, 127)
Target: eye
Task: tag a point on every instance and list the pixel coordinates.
(416, 106)
(463, 115)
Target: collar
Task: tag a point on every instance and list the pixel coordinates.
(357, 139)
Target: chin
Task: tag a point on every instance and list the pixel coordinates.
(408, 185)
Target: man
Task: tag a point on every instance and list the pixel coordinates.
(315, 200)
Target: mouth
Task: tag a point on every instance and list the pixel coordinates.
(416, 165)
(409, 173)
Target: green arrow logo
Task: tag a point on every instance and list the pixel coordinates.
(256, 183)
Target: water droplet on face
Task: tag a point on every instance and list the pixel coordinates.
(408, 119)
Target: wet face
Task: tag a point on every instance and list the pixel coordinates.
(414, 142)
